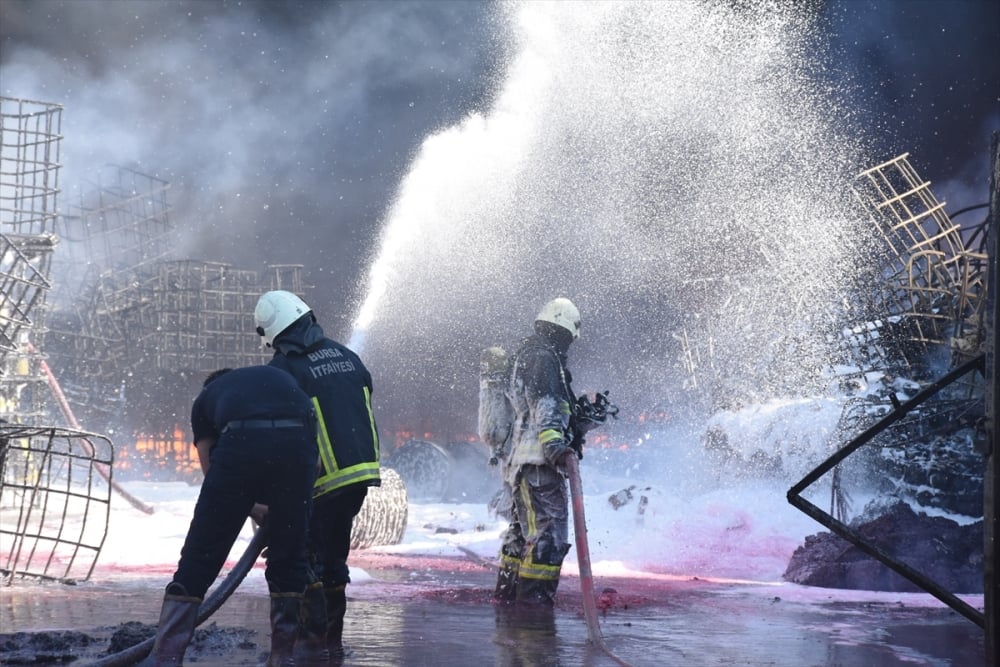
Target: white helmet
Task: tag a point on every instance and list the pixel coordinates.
(276, 311)
(561, 311)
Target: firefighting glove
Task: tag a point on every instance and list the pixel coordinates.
(554, 450)
(577, 443)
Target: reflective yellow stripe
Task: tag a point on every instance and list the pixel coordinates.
(340, 478)
(548, 435)
(531, 570)
(333, 477)
(526, 499)
(508, 561)
(528, 568)
(323, 440)
(371, 421)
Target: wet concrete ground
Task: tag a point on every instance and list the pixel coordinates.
(417, 611)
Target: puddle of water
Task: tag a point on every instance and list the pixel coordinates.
(437, 612)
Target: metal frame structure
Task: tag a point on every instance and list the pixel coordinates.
(30, 140)
(21, 287)
(125, 308)
(843, 530)
(991, 501)
(940, 289)
(56, 500)
(933, 287)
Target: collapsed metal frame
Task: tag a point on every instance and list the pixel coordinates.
(127, 308)
(795, 498)
(30, 141)
(112, 240)
(943, 288)
(988, 364)
(933, 286)
(22, 286)
(55, 493)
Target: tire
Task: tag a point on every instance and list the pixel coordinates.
(382, 519)
(426, 469)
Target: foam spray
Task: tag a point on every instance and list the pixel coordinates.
(679, 169)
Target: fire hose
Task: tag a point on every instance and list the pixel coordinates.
(583, 558)
(211, 604)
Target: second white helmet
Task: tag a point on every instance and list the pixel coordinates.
(276, 311)
(561, 312)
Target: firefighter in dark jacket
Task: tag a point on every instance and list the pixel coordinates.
(255, 432)
(537, 542)
(340, 387)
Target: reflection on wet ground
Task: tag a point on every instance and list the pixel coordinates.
(436, 611)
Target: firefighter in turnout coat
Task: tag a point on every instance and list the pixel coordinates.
(340, 387)
(536, 543)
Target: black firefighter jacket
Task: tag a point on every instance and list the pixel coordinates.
(340, 387)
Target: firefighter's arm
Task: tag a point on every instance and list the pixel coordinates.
(550, 409)
(204, 447)
(554, 446)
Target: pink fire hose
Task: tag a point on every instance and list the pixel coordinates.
(583, 558)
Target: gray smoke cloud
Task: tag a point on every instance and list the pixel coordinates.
(283, 127)
(301, 132)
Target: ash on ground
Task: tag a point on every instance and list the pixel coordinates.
(67, 646)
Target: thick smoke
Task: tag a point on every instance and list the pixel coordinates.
(283, 128)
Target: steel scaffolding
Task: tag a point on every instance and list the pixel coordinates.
(29, 186)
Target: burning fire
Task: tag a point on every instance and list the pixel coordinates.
(159, 457)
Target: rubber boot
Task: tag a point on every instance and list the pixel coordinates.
(507, 576)
(336, 609)
(178, 617)
(285, 611)
(311, 649)
(537, 592)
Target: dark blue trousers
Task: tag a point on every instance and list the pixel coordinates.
(330, 533)
(273, 466)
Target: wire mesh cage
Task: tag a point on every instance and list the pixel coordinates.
(30, 140)
(932, 286)
(55, 495)
(21, 287)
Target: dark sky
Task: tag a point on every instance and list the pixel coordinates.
(286, 128)
(929, 84)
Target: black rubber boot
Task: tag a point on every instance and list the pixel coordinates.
(537, 592)
(311, 649)
(507, 576)
(285, 611)
(178, 617)
(336, 609)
